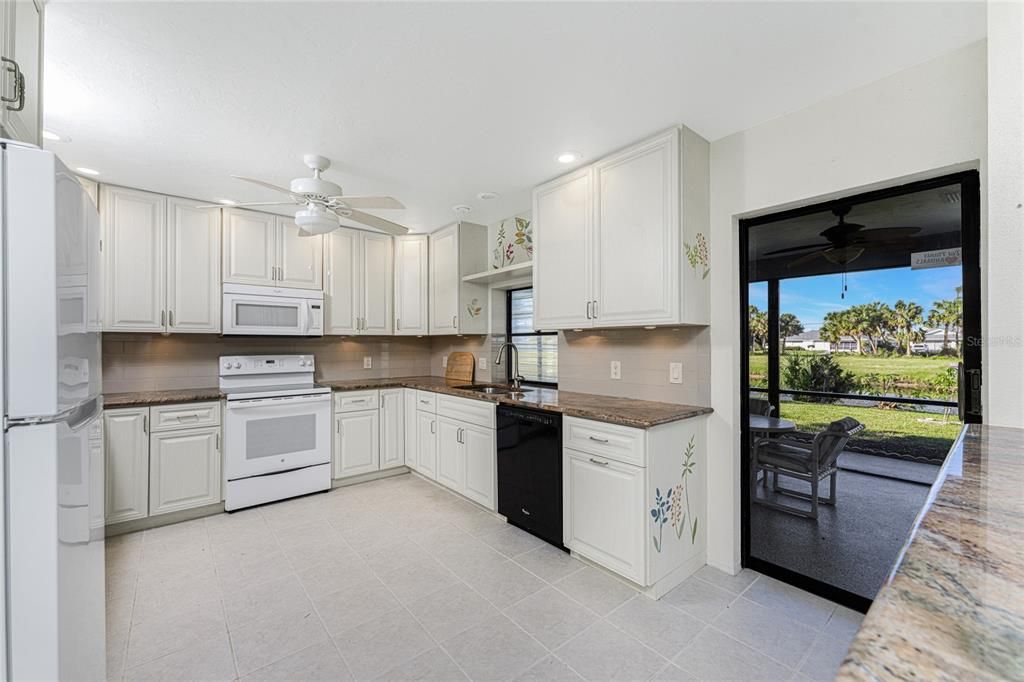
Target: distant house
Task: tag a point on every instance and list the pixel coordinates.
(932, 342)
(808, 341)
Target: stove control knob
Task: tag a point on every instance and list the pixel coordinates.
(227, 365)
(238, 365)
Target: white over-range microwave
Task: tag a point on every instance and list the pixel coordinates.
(272, 311)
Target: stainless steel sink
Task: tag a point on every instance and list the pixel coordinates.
(493, 390)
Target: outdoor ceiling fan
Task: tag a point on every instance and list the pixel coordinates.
(846, 241)
(324, 204)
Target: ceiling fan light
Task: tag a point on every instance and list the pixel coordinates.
(314, 220)
(843, 255)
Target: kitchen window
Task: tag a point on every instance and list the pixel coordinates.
(538, 351)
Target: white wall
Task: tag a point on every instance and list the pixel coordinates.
(917, 123)
(1003, 352)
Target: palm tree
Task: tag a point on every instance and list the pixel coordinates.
(789, 325)
(758, 324)
(906, 316)
(944, 314)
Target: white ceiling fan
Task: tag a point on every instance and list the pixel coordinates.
(324, 204)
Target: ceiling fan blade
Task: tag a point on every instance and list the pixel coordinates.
(257, 203)
(794, 249)
(369, 202)
(886, 233)
(379, 223)
(806, 258)
(264, 184)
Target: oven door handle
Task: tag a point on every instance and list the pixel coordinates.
(281, 402)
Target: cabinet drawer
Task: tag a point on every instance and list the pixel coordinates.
(621, 443)
(186, 415)
(477, 412)
(426, 401)
(354, 401)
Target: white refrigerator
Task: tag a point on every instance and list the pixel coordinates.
(53, 483)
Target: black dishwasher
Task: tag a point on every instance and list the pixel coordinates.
(530, 471)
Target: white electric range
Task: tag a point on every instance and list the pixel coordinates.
(277, 429)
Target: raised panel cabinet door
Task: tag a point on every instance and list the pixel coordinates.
(358, 440)
(27, 38)
(250, 247)
(392, 428)
(126, 460)
(300, 258)
(410, 434)
(636, 221)
(344, 280)
(451, 454)
(481, 465)
(563, 259)
(193, 268)
(134, 241)
(184, 469)
(378, 280)
(411, 285)
(604, 513)
(426, 444)
(444, 281)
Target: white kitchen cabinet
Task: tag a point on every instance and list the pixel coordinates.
(21, 44)
(392, 428)
(134, 244)
(601, 519)
(409, 428)
(359, 283)
(451, 456)
(356, 443)
(426, 443)
(411, 285)
(300, 259)
(457, 307)
(184, 469)
(193, 268)
(481, 480)
(623, 243)
(268, 250)
(126, 460)
(161, 265)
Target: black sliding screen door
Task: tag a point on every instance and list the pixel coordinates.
(867, 307)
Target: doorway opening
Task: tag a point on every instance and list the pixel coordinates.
(862, 317)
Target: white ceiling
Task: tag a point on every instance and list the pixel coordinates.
(435, 102)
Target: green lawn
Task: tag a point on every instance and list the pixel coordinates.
(898, 431)
(917, 369)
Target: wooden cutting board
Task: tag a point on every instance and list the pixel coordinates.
(460, 367)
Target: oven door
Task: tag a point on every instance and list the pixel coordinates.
(271, 435)
(268, 315)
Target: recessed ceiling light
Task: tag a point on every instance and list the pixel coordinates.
(461, 208)
(54, 137)
(487, 196)
(227, 202)
(87, 171)
(569, 157)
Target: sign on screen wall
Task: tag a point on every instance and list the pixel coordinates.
(940, 258)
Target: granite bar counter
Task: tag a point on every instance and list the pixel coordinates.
(142, 398)
(953, 607)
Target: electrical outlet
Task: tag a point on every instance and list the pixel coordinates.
(444, 360)
(367, 362)
(616, 369)
(675, 372)
(482, 362)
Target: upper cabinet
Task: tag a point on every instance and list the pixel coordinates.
(411, 285)
(623, 243)
(268, 250)
(161, 263)
(21, 73)
(359, 282)
(457, 307)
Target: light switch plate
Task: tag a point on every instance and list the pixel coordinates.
(444, 360)
(482, 362)
(616, 372)
(367, 362)
(675, 372)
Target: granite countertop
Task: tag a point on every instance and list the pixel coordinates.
(625, 411)
(141, 398)
(953, 607)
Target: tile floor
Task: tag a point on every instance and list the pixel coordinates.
(399, 579)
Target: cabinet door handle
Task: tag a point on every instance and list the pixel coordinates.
(12, 68)
(170, 318)
(458, 436)
(455, 321)
(424, 402)
(433, 426)
(598, 440)
(163, 317)
(599, 462)
(595, 310)
(145, 423)
(589, 303)
(398, 324)
(218, 442)
(337, 427)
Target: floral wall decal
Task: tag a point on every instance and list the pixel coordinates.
(674, 507)
(474, 308)
(697, 254)
(519, 245)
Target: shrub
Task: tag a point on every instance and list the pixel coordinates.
(818, 373)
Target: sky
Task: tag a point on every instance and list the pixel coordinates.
(809, 298)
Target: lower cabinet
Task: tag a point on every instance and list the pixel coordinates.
(451, 458)
(481, 466)
(184, 469)
(161, 459)
(392, 431)
(426, 443)
(356, 443)
(409, 428)
(465, 451)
